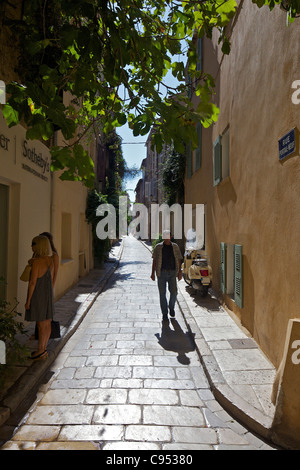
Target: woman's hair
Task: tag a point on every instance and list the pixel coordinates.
(50, 238)
(42, 246)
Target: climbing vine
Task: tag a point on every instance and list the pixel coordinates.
(173, 172)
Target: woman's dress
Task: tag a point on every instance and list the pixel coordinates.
(42, 300)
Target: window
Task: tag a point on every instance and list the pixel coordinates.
(198, 152)
(194, 157)
(221, 160)
(199, 54)
(231, 271)
(148, 189)
(238, 275)
(217, 149)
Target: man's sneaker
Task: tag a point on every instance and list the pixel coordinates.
(172, 312)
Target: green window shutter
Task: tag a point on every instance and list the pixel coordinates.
(199, 54)
(217, 149)
(199, 149)
(189, 159)
(238, 275)
(223, 267)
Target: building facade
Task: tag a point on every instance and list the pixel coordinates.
(246, 173)
(25, 201)
(34, 200)
(150, 189)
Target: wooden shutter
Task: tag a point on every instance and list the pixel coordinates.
(217, 160)
(223, 267)
(198, 161)
(199, 54)
(238, 275)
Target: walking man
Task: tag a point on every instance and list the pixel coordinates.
(167, 265)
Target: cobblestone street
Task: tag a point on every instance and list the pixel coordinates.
(126, 381)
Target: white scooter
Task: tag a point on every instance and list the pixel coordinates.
(196, 271)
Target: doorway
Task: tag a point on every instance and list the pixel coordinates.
(4, 195)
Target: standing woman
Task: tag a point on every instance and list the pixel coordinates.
(55, 256)
(40, 300)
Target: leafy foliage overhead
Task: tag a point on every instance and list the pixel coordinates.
(112, 56)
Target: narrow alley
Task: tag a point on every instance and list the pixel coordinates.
(126, 381)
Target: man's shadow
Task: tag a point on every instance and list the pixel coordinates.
(176, 340)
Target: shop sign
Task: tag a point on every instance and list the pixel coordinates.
(287, 144)
(34, 155)
(41, 163)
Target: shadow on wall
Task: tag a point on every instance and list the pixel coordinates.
(226, 192)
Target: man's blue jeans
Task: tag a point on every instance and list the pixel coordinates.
(167, 277)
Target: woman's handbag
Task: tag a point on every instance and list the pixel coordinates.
(55, 330)
(25, 276)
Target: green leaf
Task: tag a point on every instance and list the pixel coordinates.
(58, 117)
(10, 114)
(122, 119)
(226, 46)
(69, 34)
(226, 10)
(41, 129)
(76, 163)
(60, 157)
(83, 36)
